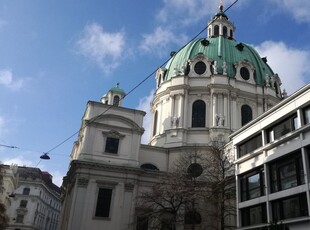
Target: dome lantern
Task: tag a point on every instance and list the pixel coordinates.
(220, 25)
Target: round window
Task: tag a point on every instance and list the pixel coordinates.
(245, 74)
(200, 67)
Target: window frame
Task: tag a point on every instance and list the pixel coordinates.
(23, 204)
(103, 214)
(246, 215)
(280, 166)
(109, 138)
(281, 211)
(26, 191)
(199, 114)
(245, 189)
(275, 132)
(250, 145)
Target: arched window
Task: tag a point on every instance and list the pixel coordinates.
(246, 114)
(225, 31)
(155, 123)
(199, 114)
(116, 100)
(216, 30)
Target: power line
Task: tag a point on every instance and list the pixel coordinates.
(130, 91)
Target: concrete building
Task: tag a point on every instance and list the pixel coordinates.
(35, 204)
(272, 165)
(208, 89)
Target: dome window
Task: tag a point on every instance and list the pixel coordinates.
(245, 74)
(246, 114)
(200, 67)
(199, 114)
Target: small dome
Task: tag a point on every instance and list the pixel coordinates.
(117, 90)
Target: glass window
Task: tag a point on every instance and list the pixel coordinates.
(307, 115)
(282, 128)
(23, 203)
(199, 114)
(111, 145)
(252, 185)
(250, 145)
(287, 173)
(246, 114)
(103, 202)
(26, 191)
(291, 207)
(253, 215)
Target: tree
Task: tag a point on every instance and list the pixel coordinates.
(200, 186)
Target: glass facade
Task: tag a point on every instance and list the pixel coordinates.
(287, 173)
(252, 185)
(250, 145)
(254, 215)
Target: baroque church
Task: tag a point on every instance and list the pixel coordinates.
(209, 89)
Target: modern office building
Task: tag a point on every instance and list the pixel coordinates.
(35, 203)
(272, 165)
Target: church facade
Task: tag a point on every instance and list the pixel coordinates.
(209, 89)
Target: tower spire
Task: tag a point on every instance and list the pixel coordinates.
(221, 6)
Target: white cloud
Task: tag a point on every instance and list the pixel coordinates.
(290, 63)
(159, 41)
(186, 12)
(105, 49)
(6, 79)
(144, 105)
(18, 160)
(300, 9)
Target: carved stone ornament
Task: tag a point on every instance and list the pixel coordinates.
(82, 182)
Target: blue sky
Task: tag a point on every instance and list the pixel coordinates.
(57, 55)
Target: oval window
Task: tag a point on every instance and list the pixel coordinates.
(200, 67)
(245, 74)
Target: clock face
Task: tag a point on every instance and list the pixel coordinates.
(200, 67)
(245, 74)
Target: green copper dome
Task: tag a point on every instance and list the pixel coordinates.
(220, 49)
(117, 90)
